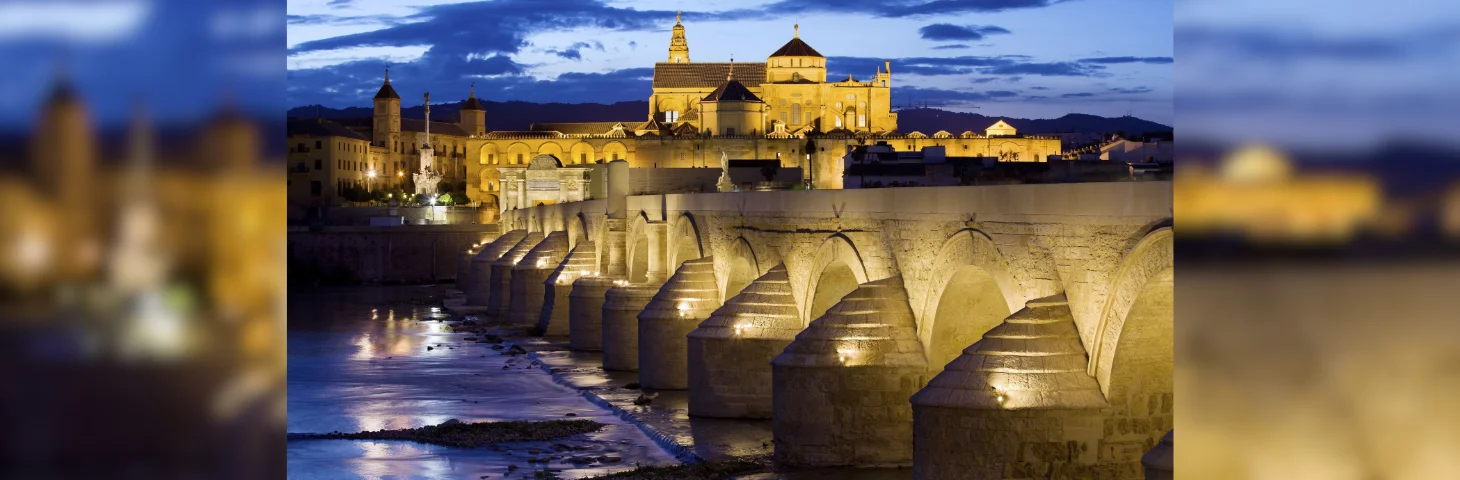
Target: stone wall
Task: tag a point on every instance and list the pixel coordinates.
(407, 254)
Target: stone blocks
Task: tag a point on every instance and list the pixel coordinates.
(730, 353)
(557, 289)
(478, 288)
(585, 312)
(527, 289)
(680, 305)
(621, 307)
(499, 287)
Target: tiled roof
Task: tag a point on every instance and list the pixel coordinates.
(472, 104)
(580, 128)
(706, 74)
(319, 127)
(442, 128)
(796, 48)
(521, 134)
(731, 91)
(386, 92)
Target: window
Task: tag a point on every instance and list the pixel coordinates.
(301, 146)
(671, 116)
(318, 165)
(862, 120)
(783, 117)
(838, 122)
(519, 159)
(582, 158)
(615, 155)
(796, 112)
(318, 144)
(315, 188)
(795, 76)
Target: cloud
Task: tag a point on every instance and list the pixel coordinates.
(1039, 88)
(1003, 65)
(1264, 44)
(1132, 90)
(894, 8)
(1077, 95)
(572, 52)
(496, 78)
(986, 80)
(1115, 60)
(955, 46)
(948, 31)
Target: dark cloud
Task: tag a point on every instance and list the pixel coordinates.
(1132, 90)
(573, 51)
(1115, 60)
(1295, 44)
(986, 80)
(1001, 94)
(948, 31)
(892, 8)
(354, 83)
(1039, 88)
(1004, 65)
(340, 3)
(955, 46)
(1077, 95)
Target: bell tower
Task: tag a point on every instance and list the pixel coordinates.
(678, 46)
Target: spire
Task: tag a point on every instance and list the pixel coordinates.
(731, 76)
(387, 74)
(798, 31)
(678, 46)
(386, 91)
(473, 89)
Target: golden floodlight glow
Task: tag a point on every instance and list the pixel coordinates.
(541, 263)
(843, 353)
(683, 308)
(739, 327)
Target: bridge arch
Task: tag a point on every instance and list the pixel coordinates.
(577, 230)
(686, 243)
(743, 269)
(638, 249)
(1133, 315)
(836, 270)
(969, 292)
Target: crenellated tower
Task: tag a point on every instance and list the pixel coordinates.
(678, 46)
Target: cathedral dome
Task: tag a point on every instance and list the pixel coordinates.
(796, 48)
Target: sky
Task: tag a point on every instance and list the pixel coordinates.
(1013, 58)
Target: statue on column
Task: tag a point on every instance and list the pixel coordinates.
(725, 185)
(428, 177)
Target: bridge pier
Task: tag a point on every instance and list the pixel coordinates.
(585, 312)
(527, 290)
(730, 353)
(841, 387)
(1017, 403)
(621, 307)
(499, 288)
(677, 308)
(463, 267)
(557, 288)
(478, 288)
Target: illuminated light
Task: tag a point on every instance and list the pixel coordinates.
(435, 309)
(683, 308)
(739, 327)
(371, 174)
(843, 353)
(541, 263)
(583, 272)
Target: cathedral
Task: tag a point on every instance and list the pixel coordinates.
(783, 110)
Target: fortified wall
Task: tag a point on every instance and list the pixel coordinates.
(993, 331)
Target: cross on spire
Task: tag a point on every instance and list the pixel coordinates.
(798, 30)
(731, 76)
(473, 89)
(676, 16)
(387, 74)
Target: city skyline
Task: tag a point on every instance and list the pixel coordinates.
(1012, 58)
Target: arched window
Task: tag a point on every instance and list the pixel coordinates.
(838, 122)
(796, 112)
(795, 76)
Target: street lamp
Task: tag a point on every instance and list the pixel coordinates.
(371, 175)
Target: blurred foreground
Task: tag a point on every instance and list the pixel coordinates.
(142, 269)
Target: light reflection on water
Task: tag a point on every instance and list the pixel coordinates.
(358, 361)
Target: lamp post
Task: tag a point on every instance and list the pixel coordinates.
(369, 187)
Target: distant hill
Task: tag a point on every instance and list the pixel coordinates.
(503, 115)
(519, 115)
(931, 120)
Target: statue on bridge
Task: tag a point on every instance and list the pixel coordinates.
(725, 185)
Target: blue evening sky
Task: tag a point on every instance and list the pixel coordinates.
(1018, 58)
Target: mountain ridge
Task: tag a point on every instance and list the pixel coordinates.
(519, 115)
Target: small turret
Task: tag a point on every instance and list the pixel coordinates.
(473, 116)
(387, 116)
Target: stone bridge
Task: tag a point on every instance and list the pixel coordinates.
(987, 331)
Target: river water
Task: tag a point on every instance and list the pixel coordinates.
(369, 358)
